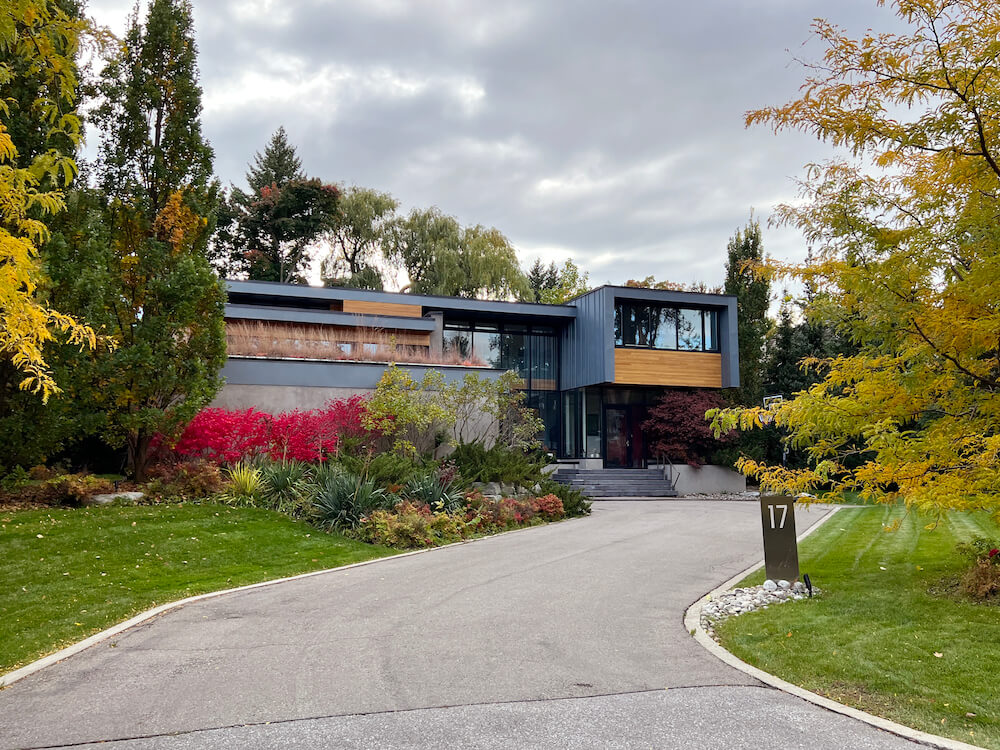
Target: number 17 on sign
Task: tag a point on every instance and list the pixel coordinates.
(781, 551)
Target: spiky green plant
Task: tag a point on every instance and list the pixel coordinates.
(245, 483)
(285, 485)
(430, 490)
(343, 499)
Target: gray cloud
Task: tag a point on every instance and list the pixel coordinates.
(611, 133)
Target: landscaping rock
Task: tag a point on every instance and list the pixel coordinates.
(739, 601)
(491, 489)
(507, 490)
(110, 497)
(784, 585)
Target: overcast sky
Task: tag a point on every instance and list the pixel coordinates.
(606, 132)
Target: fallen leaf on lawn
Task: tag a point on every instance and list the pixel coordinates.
(969, 714)
(39, 536)
(938, 654)
(881, 568)
(789, 634)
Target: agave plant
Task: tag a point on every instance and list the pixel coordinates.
(429, 489)
(343, 499)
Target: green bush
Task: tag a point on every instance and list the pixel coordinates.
(411, 526)
(387, 469)
(499, 464)
(575, 503)
(191, 479)
(343, 499)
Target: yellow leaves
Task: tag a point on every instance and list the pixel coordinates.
(178, 224)
(26, 34)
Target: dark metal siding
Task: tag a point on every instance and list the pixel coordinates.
(588, 346)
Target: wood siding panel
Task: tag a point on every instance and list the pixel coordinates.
(651, 367)
(382, 308)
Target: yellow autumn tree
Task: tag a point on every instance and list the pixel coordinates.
(905, 230)
(38, 41)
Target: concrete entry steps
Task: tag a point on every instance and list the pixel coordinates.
(610, 483)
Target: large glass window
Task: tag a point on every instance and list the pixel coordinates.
(689, 335)
(486, 345)
(662, 327)
(459, 343)
(543, 363)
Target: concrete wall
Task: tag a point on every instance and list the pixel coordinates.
(275, 399)
(705, 480)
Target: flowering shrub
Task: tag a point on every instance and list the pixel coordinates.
(228, 435)
(549, 507)
(488, 514)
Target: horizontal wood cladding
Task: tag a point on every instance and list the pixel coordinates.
(653, 367)
(382, 308)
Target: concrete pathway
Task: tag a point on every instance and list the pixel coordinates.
(560, 636)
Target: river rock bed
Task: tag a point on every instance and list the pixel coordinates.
(739, 601)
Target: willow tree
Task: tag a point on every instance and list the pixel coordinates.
(907, 257)
(39, 132)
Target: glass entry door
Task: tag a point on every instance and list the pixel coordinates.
(624, 446)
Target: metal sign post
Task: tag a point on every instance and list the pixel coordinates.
(781, 550)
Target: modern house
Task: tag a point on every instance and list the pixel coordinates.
(591, 366)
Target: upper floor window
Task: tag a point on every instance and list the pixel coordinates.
(532, 352)
(661, 327)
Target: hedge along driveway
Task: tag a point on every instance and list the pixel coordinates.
(69, 573)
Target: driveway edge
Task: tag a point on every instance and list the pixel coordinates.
(46, 661)
(692, 623)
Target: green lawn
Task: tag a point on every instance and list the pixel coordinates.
(889, 607)
(69, 573)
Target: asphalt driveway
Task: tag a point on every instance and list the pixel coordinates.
(559, 636)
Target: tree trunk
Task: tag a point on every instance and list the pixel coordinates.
(138, 454)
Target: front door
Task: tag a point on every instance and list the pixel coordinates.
(623, 443)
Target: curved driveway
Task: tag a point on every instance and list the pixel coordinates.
(559, 636)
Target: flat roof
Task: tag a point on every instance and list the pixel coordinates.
(431, 302)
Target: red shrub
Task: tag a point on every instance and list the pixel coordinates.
(227, 436)
(677, 427)
(548, 506)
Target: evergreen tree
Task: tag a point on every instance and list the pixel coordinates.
(268, 233)
(277, 166)
(151, 286)
(753, 295)
(541, 278)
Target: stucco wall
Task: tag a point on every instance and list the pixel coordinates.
(691, 480)
(275, 399)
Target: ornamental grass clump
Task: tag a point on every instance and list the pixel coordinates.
(245, 484)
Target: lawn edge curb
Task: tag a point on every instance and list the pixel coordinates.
(692, 623)
(64, 653)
